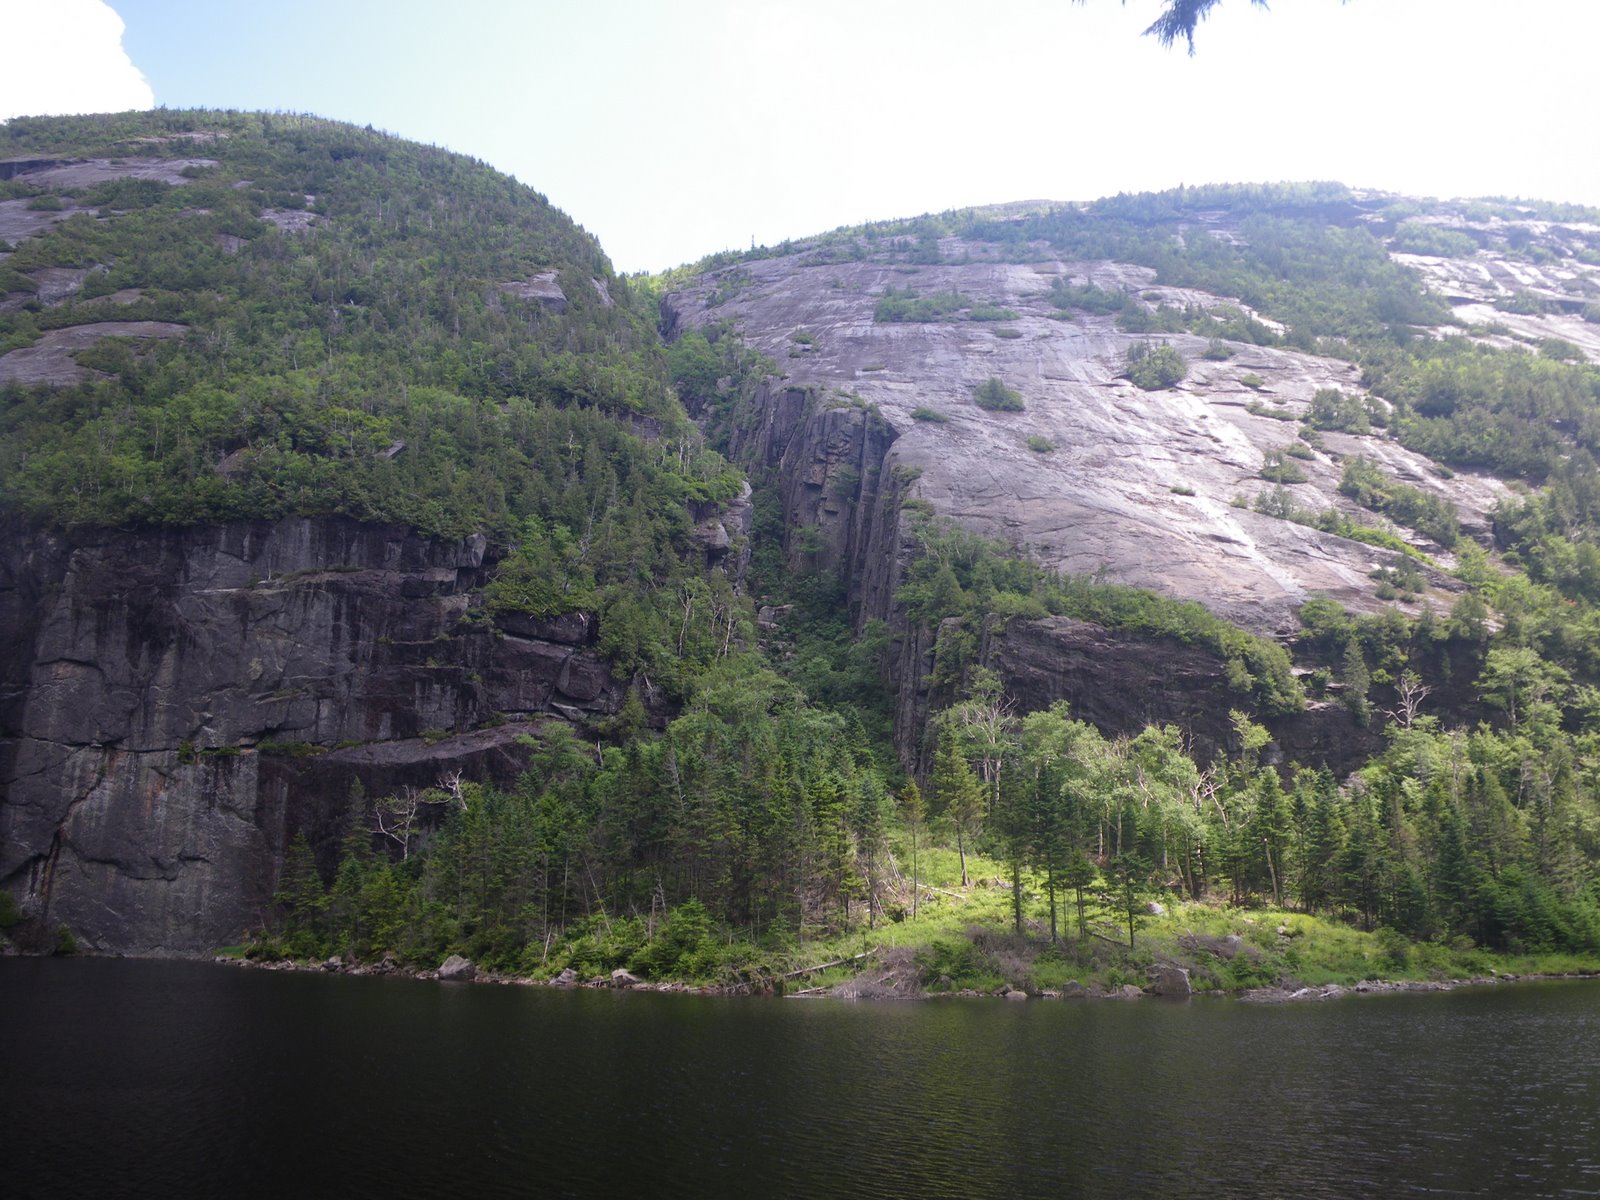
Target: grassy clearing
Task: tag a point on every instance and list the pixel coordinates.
(963, 940)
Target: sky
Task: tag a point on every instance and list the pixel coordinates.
(674, 130)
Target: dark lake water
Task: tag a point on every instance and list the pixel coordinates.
(122, 1078)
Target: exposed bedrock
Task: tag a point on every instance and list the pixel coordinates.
(176, 705)
(1147, 488)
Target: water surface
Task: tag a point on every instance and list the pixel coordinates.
(187, 1079)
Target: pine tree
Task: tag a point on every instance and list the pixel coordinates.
(957, 794)
(911, 813)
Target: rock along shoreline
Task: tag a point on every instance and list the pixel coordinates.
(456, 969)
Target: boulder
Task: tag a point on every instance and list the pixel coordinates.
(334, 963)
(1016, 994)
(567, 978)
(456, 967)
(1171, 981)
(621, 978)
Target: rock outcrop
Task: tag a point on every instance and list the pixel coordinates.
(1092, 476)
(1171, 982)
(1141, 486)
(175, 706)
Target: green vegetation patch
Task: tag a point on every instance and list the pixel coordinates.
(906, 305)
(1153, 367)
(995, 396)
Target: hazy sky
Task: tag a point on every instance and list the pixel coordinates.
(672, 130)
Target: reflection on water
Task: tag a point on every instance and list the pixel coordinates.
(175, 1079)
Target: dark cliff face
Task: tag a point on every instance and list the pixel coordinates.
(1121, 683)
(177, 705)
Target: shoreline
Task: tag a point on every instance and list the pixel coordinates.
(625, 981)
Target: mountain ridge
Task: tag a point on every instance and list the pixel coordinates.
(406, 542)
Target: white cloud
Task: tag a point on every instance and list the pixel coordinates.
(66, 56)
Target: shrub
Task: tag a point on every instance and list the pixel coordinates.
(1153, 367)
(1040, 445)
(1277, 502)
(991, 312)
(1432, 516)
(684, 945)
(1332, 409)
(1252, 381)
(1524, 304)
(1413, 238)
(995, 396)
(1277, 467)
(923, 413)
(1280, 413)
(1086, 298)
(908, 306)
(1217, 351)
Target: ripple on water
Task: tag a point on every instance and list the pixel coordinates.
(176, 1079)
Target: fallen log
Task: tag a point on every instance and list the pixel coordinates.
(838, 962)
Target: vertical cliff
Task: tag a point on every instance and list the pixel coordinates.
(178, 705)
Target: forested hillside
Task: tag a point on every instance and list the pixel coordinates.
(1356, 681)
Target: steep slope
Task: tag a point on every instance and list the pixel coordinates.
(1304, 447)
(1138, 484)
(300, 428)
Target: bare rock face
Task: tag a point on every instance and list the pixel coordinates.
(1142, 486)
(176, 705)
(86, 172)
(1170, 981)
(50, 359)
(1092, 476)
(1529, 280)
(543, 288)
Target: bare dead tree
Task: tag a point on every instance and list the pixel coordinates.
(1412, 693)
(454, 789)
(396, 817)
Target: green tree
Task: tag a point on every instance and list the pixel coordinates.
(1152, 367)
(995, 396)
(957, 795)
(1127, 889)
(911, 815)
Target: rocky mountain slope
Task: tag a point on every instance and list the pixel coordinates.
(1139, 485)
(249, 530)
(1181, 488)
(336, 470)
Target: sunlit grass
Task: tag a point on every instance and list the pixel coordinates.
(964, 939)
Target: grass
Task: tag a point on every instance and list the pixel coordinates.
(965, 936)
